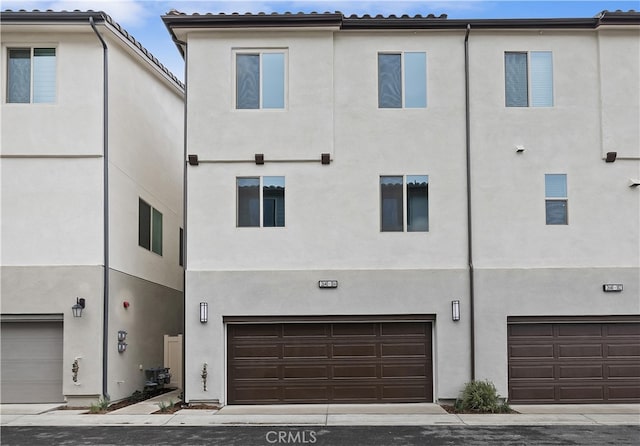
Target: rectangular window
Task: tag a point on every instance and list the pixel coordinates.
(555, 186)
(149, 227)
(256, 190)
(528, 79)
(181, 248)
(402, 80)
(31, 75)
(398, 193)
(260, 80)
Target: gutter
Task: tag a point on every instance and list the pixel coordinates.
(105, 148)
(469, 217)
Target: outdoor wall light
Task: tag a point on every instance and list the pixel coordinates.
(611, 157)
(634, 183)
(520, 149)
(78, 307)
(122, 347)
(204, 312)
(455, 310)
(122, 335)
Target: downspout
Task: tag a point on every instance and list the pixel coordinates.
(105, 168)
(184, 223)
(469, 217)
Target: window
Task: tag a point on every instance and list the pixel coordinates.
(260, 80)
(31, 75)
(395, 192)
(555, 186)
(528, 79)
(181, 248)
(255, 190)
(149, 227)
(402, 80)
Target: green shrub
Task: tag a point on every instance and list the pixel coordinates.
(481, 397)
(100, 406)
(165, 406)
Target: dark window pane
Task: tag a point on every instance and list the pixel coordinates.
(181, 248)
(556, 212)
(144, 225)
(391, 203)
(248, 81)
(515, 74)
(156, 239)
(417, 203)
(389, 81)
(248, 202)
(273, 202)
(19, 76)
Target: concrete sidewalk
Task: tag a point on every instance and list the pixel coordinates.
(141, 414)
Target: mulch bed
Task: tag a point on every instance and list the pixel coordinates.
(452, 409)
(125, 402)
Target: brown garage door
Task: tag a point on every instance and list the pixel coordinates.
(574, 362)
(329, 362)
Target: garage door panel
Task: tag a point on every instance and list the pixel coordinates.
(306, 351)
(624, 371)
(531, 351)
(624, 350)
(579, 351)
(630, 393)
(593, 362)
(252, 332)
(363, 364)
(531, 372)
(408, 349)
(580, 371)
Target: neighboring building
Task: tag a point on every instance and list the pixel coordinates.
(92, 144)
(334, 227)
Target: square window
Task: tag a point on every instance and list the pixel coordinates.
(398, 193)
(528, 79)
(556, 199)
(31, 75)
(402, 80)
(254, 191)
(260, 80)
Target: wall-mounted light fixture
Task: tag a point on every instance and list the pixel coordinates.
(122, 335)
(78, 307)
(122, 347)
(455, 310)
(634, 183)
(204, 312)
(520, 149)
(611, 157)
(325, 158)
(259, 157)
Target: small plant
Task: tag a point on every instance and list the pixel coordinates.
(100, 406)
(481, 397)
(164, 406)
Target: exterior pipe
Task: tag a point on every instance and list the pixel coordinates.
(184, 222)
(469, 217)
(105, 168)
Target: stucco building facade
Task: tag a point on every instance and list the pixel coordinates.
(380, 209)
(92, 141)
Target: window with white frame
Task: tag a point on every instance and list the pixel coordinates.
(260, 80)
(402, 80)
(555, 185)
(149, 227)
(31, 75)
(260, 202)
(404, 203)
(528, 79)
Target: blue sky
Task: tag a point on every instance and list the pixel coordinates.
(141, 18)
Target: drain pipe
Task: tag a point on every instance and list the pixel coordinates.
(469, 217)
(105, 169)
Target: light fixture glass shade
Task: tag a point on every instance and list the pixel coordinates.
(204, 312)
(455, 310)
(122, 346)
(122, 335)
(78, 307)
